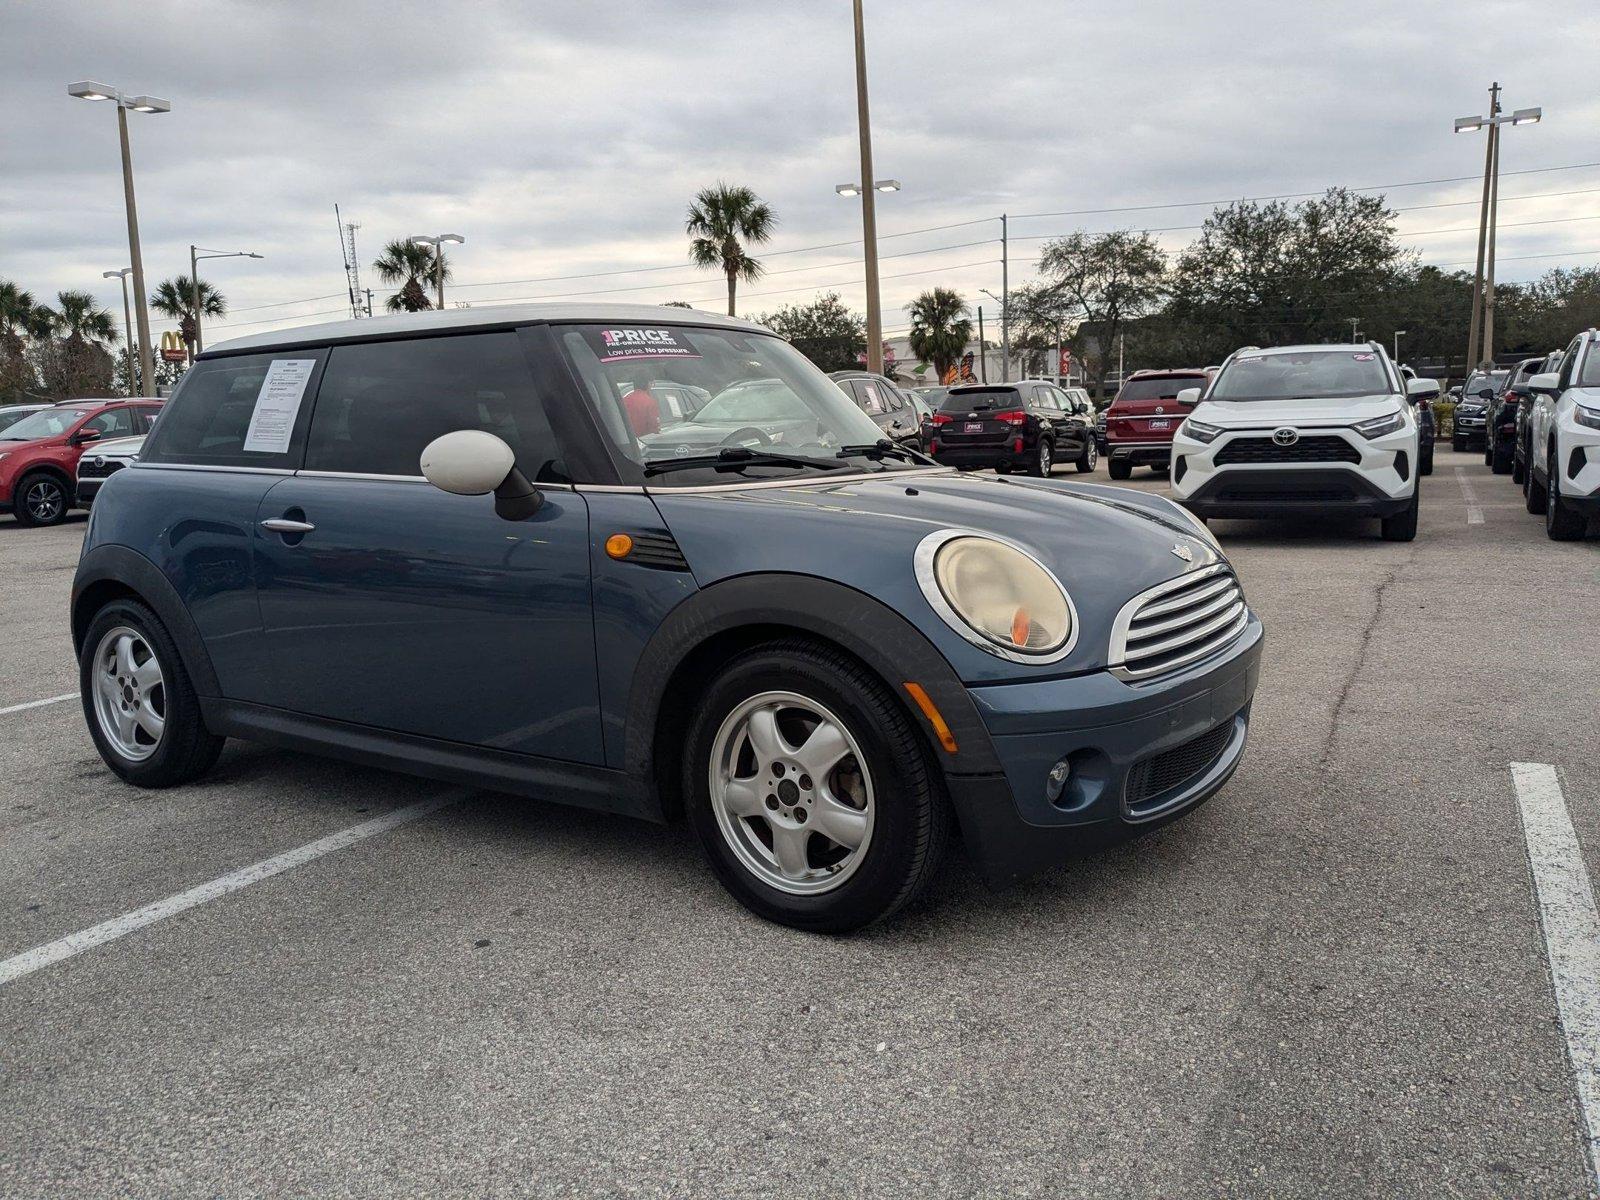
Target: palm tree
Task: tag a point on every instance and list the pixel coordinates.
(81, 321)
(175, 298)
(719, 217)
(412, 266)
(17, 310)
(940, 328)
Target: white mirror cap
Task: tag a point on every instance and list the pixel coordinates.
(1548, 382)
(468, 462)
(1189, 396)
(1423, 387)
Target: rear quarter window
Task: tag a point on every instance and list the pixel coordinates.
(208, 420)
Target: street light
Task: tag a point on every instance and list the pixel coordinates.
(869, 214)
(127, 324)
(437, 242)
(878, 185)
(196, 253)
(1483, 278)
(88, 90)
(1398, 334)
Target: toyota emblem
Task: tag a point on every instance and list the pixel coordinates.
(99, 460)
(1286, 436)
(1159, 410)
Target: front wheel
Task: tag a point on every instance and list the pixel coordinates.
(41, 499)
(1562, 522)
(141, 708)
(1088, 459)
(811, 791)
(1120, 468)
(1458, 444)
(1402, 527)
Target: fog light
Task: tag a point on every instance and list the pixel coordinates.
(1057, 780)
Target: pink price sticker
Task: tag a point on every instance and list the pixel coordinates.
(1363, 357)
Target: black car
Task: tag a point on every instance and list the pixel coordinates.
(1500, 434)
(1028, 425)
(1518, 418)
(891, 408)
(1472, 411)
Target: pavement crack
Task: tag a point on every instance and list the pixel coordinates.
(1363, 651)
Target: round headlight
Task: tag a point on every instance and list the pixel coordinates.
(996, 596)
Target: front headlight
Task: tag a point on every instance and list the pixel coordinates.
(1379, 426)
(1199, 430)
(1580, 414)
(996, 596)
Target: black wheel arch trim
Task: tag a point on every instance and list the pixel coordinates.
(135, 573)
(68, 484)
(863, 626)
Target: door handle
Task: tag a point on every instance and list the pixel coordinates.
(285, 525)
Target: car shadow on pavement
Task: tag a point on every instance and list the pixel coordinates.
(1288, 531)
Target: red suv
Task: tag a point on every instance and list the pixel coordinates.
(39, 454)
(1141, 419)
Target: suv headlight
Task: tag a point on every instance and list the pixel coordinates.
(1580, 414)
(1379, 426)
(1199, 430)
(996, 596)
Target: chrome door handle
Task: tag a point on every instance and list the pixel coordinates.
(284, 525)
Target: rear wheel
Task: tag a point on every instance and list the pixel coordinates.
(1458, 444)
(1561, 521)
(1043, 461)
(1088, 459)
(1402, 527)
(1425, 460)
(1519, 468)
(1120, 468)
(811, 791)
(41, 499)
(1500, 461)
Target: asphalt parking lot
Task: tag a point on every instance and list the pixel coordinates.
(1330, 980)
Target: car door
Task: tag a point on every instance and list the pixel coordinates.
(391, 604)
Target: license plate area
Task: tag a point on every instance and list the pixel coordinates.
(972, 427)
(1160, 423)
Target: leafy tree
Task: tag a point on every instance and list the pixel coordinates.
(722, 223)
(825, 331)
(174, 298)
(940, 328)
(1096, 283)
(412, 266)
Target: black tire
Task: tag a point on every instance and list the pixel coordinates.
(41, 499)
(1088, 459)
(1425, 460)
(1536, 495)
(1562, 522)
(1488, 451)
(1519, 469)
(1500, 461)
(1120, 468)
(1402, 527)
(186, 749)
(1043, 461)
(911, 822)
(1458, 444)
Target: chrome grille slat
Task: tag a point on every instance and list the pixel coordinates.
(1177, 623)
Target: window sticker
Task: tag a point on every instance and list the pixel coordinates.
(625, 345)
(277, 405)
(1363, 357)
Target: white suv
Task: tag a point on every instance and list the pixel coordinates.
(1303, 429)
(1563, 480)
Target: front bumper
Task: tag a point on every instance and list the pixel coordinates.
(86, 491)
(1140, 754)
(1236, 475)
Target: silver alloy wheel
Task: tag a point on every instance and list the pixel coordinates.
(130, 693)
(791, 793)
(45, 500)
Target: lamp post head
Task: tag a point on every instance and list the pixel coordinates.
(1527, 116)
(1469, 124)
(451, 237)
(886, 185)
(150, 104)
(89, 90)
(848, 189)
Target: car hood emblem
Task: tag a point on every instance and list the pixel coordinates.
(1183, 552)
(1286, 436)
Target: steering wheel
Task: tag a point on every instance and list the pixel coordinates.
(740, 436)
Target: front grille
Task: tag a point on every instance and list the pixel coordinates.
(1321, 448)
(1177, 623)
(1154, 777)
(90, 470)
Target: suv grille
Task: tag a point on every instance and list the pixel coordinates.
(1177, 623)
(1322, 448)
(1161, 773)
(89, 470)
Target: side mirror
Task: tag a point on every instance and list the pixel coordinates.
(1189, 397)
(1422, 389)
(84, 436)
(470, 462)
(1485, 393)
(1548, 384)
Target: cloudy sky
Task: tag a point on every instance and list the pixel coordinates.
(564, 140)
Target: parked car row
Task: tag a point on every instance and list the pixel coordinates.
(1558, 430)
(40, 453)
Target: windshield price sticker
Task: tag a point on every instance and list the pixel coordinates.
(623, 345)
(277, 405)
(1364, 357)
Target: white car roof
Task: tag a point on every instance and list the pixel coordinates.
(488, 316)
(1347, 347)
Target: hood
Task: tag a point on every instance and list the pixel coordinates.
(1268, 414)
(7, 447)
(123, 447)
(1104, 544)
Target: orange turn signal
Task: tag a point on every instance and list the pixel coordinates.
(929, 710)
(619, 545)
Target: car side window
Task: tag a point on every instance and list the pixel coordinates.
(207, 421)
(871, 397)
(1569, 360)
(381, 403)
(115, 423)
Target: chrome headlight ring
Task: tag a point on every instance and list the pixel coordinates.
(925, 563)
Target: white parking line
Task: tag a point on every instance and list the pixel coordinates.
(38, 703)
(1571, 932)
(1474, 513)
(30, 961)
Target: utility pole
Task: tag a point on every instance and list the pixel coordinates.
(869, 212)
(1488, 262)
(1122, 345)
(1354, 322)
(983, 350)
(1474, 345)
(1005, 297)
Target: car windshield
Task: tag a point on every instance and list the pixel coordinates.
(1302, 375)
(762, 396)
(49, 422)
(1162, 388)
(1479, 380)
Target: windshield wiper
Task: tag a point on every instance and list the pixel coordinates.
(881, 449)
(737, 458)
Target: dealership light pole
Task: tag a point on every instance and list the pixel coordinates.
(1398, 334)
(1480, 338)
(127, 325)
(88, 90)
(869, 186)
(437, 241)
(196, 253)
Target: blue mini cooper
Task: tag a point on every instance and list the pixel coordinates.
(499, 546)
